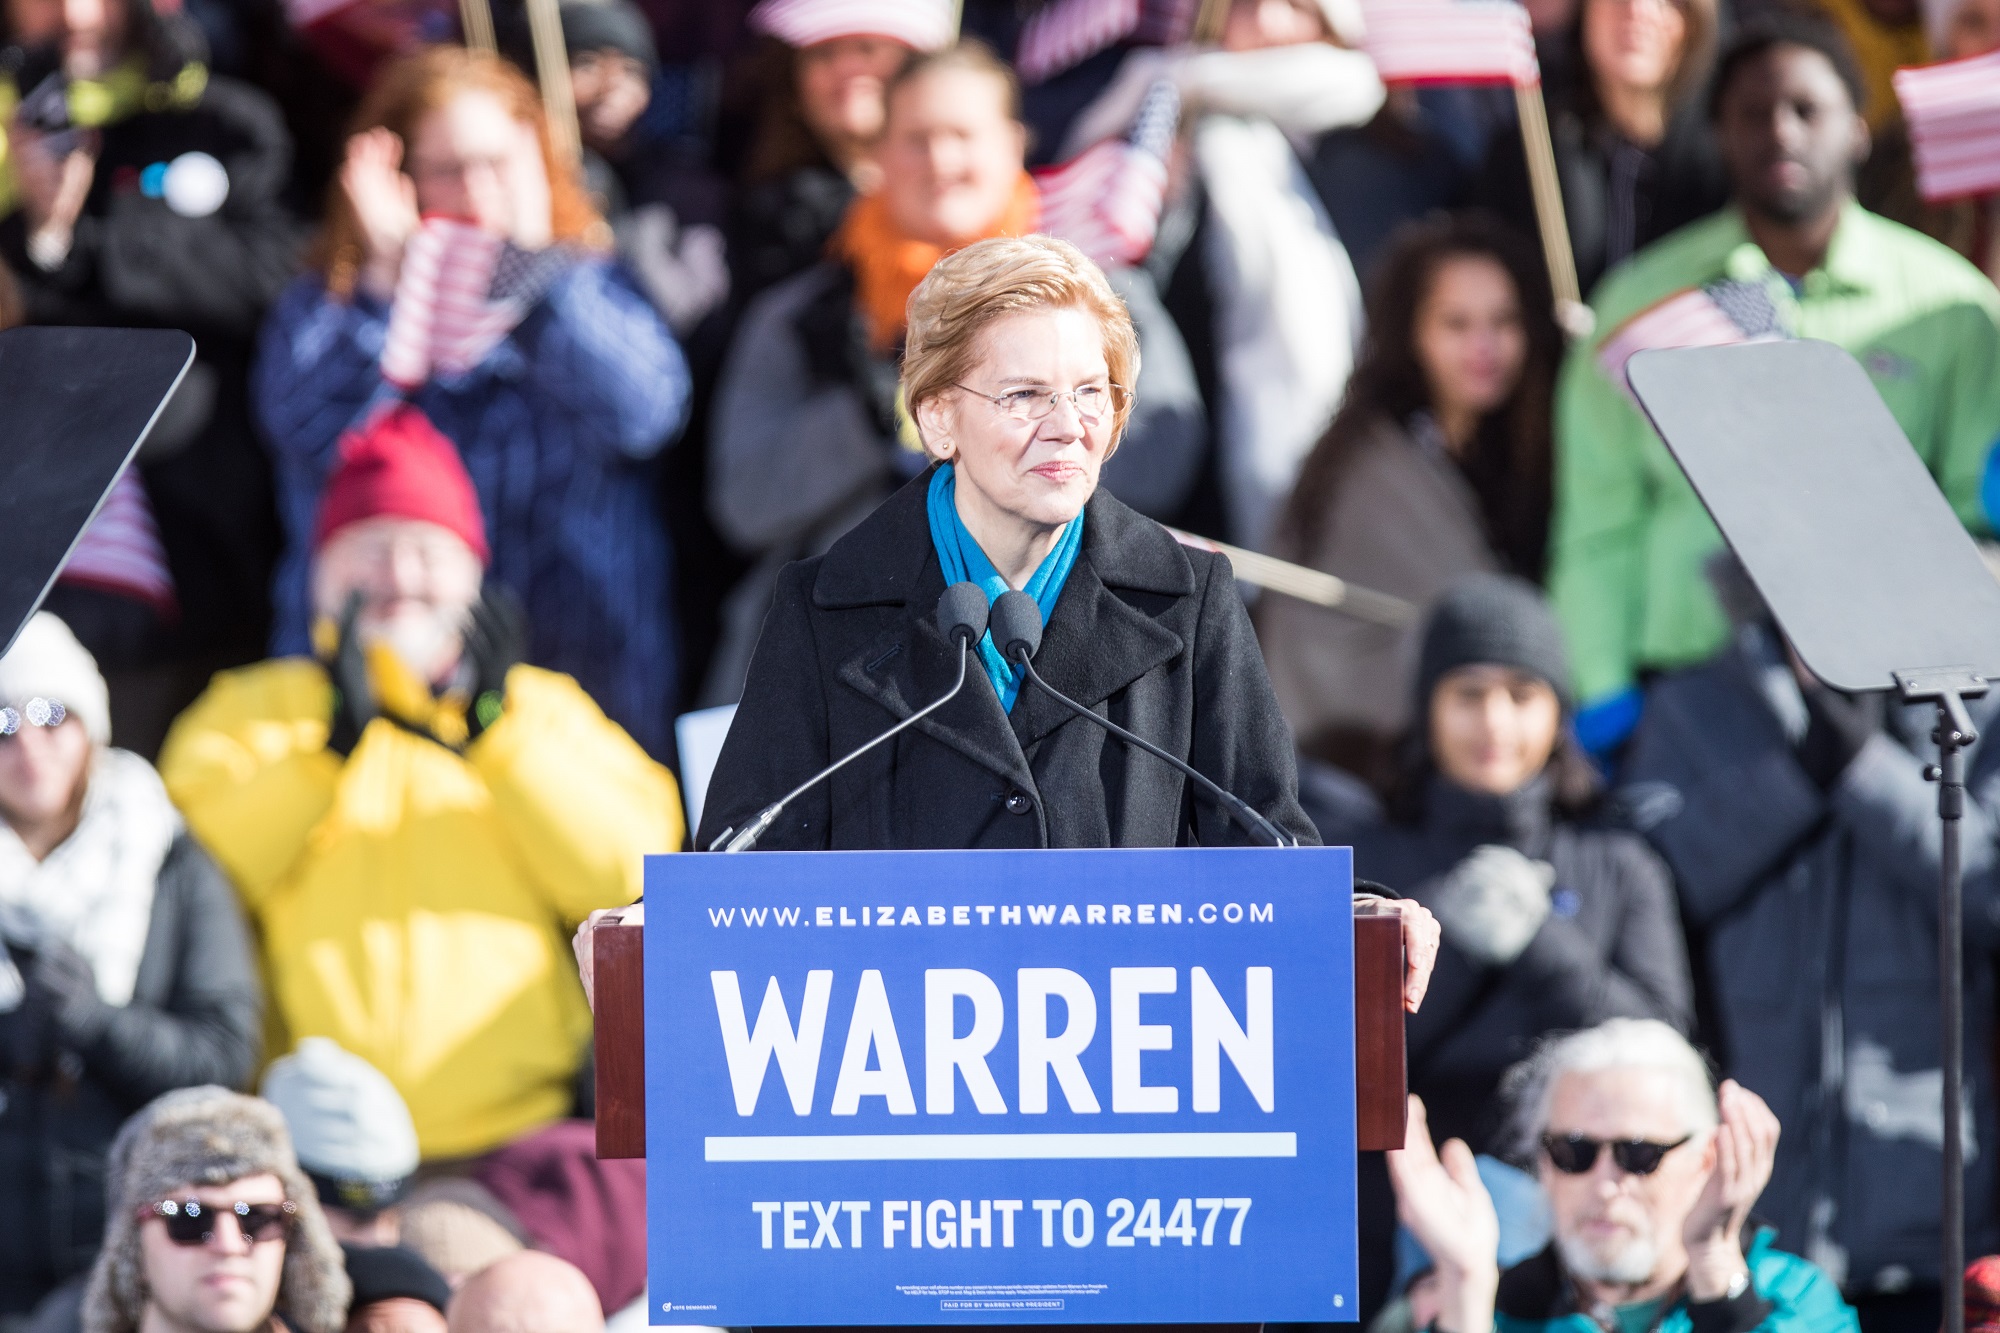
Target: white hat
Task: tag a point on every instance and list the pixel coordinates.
(922, 25)
(350, 1126)
(47, 662)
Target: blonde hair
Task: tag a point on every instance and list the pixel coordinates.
(409, 89)
(966, 291)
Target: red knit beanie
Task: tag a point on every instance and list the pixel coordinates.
(398, 463)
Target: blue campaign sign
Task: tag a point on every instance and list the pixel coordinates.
(1000, 1087)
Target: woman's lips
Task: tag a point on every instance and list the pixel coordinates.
(1057, 471)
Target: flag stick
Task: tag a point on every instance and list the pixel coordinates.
(475, 20)
(1571, 312)
(1209, 20)
(1307, 585)
(552, 69)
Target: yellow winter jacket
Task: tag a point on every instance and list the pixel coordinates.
(415, 905)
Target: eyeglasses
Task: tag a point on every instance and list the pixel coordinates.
(1093, 402)
(37, 712)
(192, 1222)
(1575, 1155)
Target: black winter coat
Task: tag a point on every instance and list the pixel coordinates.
(136, 263)
(1617, 199)
(195, 1017)
(1813, 904)
(1146, 632)
(1611, 946)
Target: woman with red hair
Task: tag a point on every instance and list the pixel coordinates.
(560, 395)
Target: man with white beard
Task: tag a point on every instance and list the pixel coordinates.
(1650, 1174)
(415, 818)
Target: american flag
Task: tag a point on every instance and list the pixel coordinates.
(121, 551)
(1717, 314)
(1070, 31)
(1953, 112)
(1067, 32)
(461, 291)
(1451, 41)
(1106, 200)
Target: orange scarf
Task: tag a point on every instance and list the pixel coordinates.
(888, 265)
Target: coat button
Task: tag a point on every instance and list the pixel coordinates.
(1017, 804)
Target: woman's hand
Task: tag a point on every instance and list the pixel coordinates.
(527, 181)
(1420, 942)
(384, 200)
(586, 954)
(1441, 1199)
(1746, 1147)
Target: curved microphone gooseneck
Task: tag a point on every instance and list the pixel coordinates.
(1017, 631)
(961, 616)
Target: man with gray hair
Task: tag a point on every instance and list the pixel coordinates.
(1650, 1174)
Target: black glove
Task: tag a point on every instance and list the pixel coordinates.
(353, 698)
(495, 642)
(1837, 726)
(63, 978)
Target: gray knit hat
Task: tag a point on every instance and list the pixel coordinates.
(1492, 620)
(210, 1136)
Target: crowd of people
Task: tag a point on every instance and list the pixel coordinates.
(358, 695)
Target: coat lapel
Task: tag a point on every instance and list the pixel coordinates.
(909, 663)
(1096, 643)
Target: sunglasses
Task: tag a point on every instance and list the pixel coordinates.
(36, 712)
(192, 1222)
(1575, 1155)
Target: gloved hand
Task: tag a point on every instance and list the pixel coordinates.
(354, 704)
(495, 643)
(1837, 726)
(1492, 903)
(64, 980)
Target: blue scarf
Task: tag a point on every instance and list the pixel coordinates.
(959, 554)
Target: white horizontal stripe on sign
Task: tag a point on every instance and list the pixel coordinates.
(990, 1147)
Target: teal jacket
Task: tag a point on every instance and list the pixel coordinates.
(1787, 1295)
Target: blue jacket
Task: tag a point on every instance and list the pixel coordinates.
(559, 427)
(1787, 1295)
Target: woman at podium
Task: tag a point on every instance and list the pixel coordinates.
(1016, 377)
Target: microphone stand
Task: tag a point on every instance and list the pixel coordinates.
(1245, 814)
(761, 823)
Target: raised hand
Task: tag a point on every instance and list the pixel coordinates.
(384, 201)
(1746, 1147)
(1441, 1199)
(54, 175)
(528, 191)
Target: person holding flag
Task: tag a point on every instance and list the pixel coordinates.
(1633, 150)
(1794, 256)
(462, 267)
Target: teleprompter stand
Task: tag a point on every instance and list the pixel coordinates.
(75, 407)
(1870, 575)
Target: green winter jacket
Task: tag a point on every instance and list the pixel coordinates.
(1786, 1295)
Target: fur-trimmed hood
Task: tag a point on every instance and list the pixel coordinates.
(210, 1136)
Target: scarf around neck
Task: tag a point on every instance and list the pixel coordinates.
(888, 265)
(94, 892)
(963, 561)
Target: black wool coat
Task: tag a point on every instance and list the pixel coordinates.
(196, 1016)
(1146, 632)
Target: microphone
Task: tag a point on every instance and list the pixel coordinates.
(961, 618)
(1017, 632)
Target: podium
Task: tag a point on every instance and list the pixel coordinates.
(1381, 1072)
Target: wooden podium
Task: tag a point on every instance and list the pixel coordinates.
(1380, 1074)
